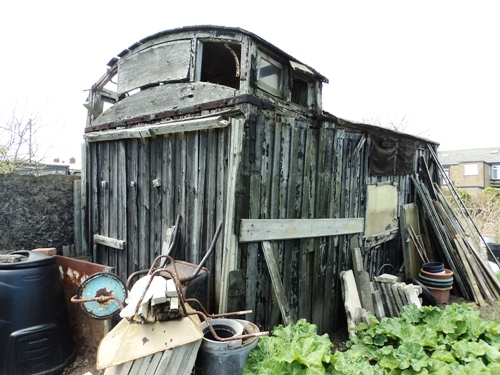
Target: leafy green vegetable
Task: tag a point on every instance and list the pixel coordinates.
(453, 341)
(294, 349)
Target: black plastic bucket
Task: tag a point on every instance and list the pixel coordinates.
(35, 337)
(434, 267)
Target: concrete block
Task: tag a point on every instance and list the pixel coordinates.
(387, 278)
(397, 298)
(378, 304)
(401, 291)
(362, 281)
(412, 294)
(352, 304)
(388, 297)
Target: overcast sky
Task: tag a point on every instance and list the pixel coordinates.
(435, 64)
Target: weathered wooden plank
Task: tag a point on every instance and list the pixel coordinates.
(176, 361)
(84, 201)
(230, 239)
(160, 98)
(254, 230)
(256, 289)
(222, 151)
(192, 198)
(284, 307)
(155, 196)
(143, 203)
(77, 215)
(182, 360)
(210, 202)
(104, 200)
(297, 169)
(212, 122)
(478, 298)
(132, 159)
(122, 257)
(109, 242)
(163, 63)
(113, 202)
(94, 198)
(413, 263)
(322, 209)
(168, 211)
(268, 209)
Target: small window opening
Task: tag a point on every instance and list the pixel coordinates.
(220, 64)
(269, 75)
(300, 91)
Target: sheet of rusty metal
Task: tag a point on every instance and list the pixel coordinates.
(87, 333)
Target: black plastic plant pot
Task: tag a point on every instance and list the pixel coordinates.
(434, 267)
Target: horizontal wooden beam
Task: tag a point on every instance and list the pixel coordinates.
(256, 230)
(108, 241)
(168, 127)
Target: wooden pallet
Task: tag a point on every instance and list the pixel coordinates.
(176, 361)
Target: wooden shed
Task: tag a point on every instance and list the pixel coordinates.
(216, 124)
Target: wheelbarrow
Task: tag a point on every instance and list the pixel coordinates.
(165, 325)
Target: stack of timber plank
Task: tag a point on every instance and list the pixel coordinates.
(385, 296)
(451, 243)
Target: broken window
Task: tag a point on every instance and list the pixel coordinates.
(300, 86)
(220, 63)
(300, 91)
(381, 217)
(269, 75)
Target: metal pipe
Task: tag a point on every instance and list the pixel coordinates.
(209, 252)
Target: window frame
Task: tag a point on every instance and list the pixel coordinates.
(495, 172)
(279, 91)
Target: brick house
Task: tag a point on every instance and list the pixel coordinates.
(472, 170)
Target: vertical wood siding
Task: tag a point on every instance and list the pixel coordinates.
(290, 168)
(190, 169)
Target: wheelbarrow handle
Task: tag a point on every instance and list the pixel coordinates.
(209, 252)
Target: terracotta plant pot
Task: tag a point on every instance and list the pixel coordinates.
(442, 295)
(446, 275)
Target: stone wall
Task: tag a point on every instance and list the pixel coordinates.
(36, 212)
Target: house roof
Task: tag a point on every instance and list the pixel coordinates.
(490, 155)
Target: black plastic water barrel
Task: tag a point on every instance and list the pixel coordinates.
(35, 337)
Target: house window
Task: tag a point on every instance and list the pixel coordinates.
(219, 63)
(447, 175)
(471, 170)
(495, 172)
(269, 75)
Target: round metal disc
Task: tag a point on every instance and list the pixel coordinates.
(102, 284)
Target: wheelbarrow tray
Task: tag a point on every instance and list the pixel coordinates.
(130, 341)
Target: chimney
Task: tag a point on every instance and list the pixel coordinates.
(72, 160)
(56, 160)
